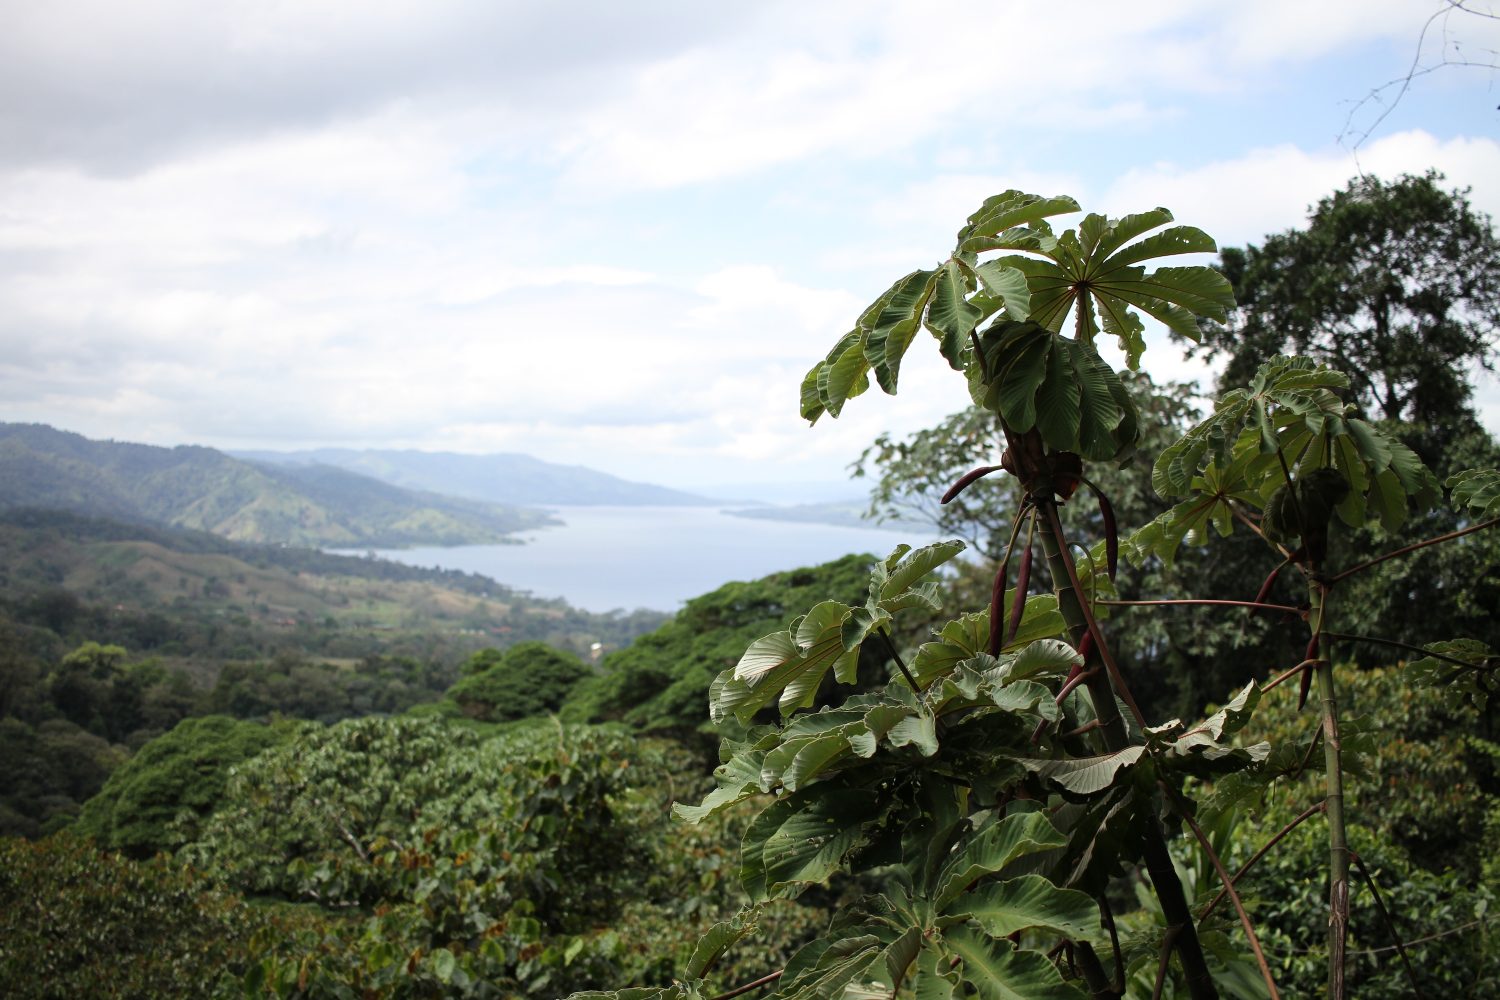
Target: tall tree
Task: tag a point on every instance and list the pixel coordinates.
(1397, 284)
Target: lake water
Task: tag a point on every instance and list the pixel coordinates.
(607, 558)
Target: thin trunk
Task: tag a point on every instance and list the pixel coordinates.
(1338, 846)
(1158, 859)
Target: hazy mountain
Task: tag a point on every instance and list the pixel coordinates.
(498, 478)
(196, 487)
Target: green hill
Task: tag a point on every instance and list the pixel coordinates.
(190, 593)
(207, 490)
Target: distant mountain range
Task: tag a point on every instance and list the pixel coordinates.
(207, 490)
(505, 478)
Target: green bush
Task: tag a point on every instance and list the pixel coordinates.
(526, 680)
(468, 866)
(154, 801)
(79, 922)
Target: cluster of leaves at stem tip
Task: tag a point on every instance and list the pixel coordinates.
(1001, 320)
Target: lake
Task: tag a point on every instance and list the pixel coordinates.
(608, 558)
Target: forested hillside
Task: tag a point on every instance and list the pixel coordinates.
(204, 489)
(114, 632)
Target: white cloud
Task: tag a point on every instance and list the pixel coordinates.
(1269, 189)
(544, 227)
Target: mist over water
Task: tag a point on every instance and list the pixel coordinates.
(607, 558)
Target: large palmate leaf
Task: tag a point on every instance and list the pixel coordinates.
(990, 850)
(1035, 378)
(1288, 447)
(1019, 904)
(677, 991)
(804, 837)
(951, 317)
(1095, 273)
(1009, 217)
(998, 970)
(822, 744)
(788, 667)
(969, 636)
(738, 777)
(1087, 775)
(719, 939)
(878, 341)
(856, 966)
(1478, 490)
(1203, 750)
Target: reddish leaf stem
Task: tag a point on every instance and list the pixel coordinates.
(1257, 605)
(1213, 855)
(748, 987)
(1415, 546)
(1213, 904)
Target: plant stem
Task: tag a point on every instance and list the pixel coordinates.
(891, 648)
(1169, 891)
(1213, 904)
(748, 987)
(1395, 644)
(1417, 545)
(1411, 974)
(1338, 845)
(1093, 972)
(1256, 605)
(1234, 897)
(1285, 674)
(1240, 516)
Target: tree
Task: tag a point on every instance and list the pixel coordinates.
(79, 922)
(154, 801)
(526, 680)
(1422, 836)
(486, 868)
(1395, 284)
(1398, 286)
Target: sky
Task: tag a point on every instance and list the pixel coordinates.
(617, 234)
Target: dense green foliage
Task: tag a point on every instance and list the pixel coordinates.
(660, 682)
(1424, 791)
(154, 801)
(526, 680)
(75, 922)
(1393, 283)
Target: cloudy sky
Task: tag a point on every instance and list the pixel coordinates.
(616, 234)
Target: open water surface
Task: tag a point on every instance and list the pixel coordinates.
(608, 558)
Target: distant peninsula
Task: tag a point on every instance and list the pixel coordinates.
(501, 477)
(849, 514)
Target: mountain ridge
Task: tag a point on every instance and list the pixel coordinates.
(496, 477)
(192, 486)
